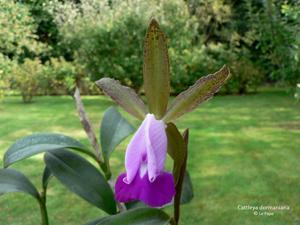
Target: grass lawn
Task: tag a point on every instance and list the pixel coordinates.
(244, 150)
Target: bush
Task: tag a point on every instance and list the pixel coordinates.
(59, 77)
(6, 66)
(245, 76)
(27, 78)
(108, 39)
(18, 41)
(96, 38)
(55, 77)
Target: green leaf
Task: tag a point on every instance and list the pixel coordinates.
(201, 91)
(38, 143)
(123, 96)
(187, 189)
(156, 70)
(140, 216)
(96, 221)
(13, 181)
(82, 178)
(114, 128)
(176, 149)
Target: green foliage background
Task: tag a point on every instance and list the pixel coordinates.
(89, 39)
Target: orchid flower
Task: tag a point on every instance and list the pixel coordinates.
(145, 178)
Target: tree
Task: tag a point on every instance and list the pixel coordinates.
(17, 37)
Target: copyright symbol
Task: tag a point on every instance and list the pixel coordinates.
(255, 213)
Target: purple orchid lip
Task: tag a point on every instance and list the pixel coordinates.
(145, 178)
(155, 194)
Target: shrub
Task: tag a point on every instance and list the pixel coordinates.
(245, 76)
(108, 39)
(18, 41)
(6, 66)
(27, 78)
(111, 44)
(59, 76)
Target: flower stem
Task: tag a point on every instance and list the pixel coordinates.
(86, 124)
(178, 194)
(180, 182)
(43, 208)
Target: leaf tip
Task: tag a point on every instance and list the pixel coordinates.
(102, 81)
(225, 72)
(153, 23)
(186, 133)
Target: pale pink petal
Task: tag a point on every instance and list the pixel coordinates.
(156, 145)
(135, 152)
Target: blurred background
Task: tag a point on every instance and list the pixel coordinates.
(244, 145)
(47, 46)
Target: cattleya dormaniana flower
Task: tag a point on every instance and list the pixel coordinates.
(145, 178)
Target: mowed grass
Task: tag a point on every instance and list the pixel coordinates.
(243, 150)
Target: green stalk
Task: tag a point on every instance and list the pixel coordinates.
(43, 208)
(179, 184)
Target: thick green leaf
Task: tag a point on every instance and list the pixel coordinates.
(187, 189)
(82, 178)
(114, 128)
(96, 221)
(13, 181)
(201, 91)
(176, 149)
(156, 70)
(140, 216)
(41, 142)
(123, 96)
